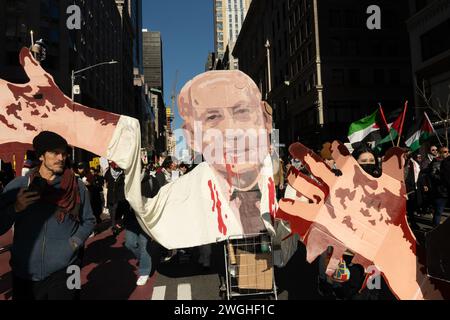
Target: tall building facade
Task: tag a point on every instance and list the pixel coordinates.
(323, 67)
(429, 27)
(127, 58)
(153, 59)
(142, 98)
(229, 15)
(100, 39)
(154, 79)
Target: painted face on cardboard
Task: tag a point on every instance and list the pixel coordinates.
(226, 121)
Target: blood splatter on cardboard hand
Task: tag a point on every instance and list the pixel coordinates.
(360, 213)
(26, 109)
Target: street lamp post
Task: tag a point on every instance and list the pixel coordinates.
(269, 72)
(73, 76)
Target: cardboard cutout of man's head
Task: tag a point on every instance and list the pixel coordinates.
(223, 115)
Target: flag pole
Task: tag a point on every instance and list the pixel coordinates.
(403, 121)
(386, 124)
(432, 127)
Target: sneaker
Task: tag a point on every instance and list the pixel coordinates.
(142, 281)
(172, 253)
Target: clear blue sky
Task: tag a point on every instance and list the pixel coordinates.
(187, 33)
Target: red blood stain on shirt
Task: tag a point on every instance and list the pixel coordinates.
(271, 186)
(212, 195)
(217, 204)
(222, 226)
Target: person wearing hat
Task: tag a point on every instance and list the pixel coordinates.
(52, 218)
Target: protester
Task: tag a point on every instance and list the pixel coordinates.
(97, 194)
(439, 185)
(184, 169)
(116, 202)
(429, 157)
(136, 240)
(164, 176)
(52, 215)
(412, 172)
(164, 173)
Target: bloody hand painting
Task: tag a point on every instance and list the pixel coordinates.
(360, 213)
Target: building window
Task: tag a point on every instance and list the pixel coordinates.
(378, 76)
(350, 19)
(336, 47)
(435, 41)
(335, 19)
(337, 76)
(354, 77)
(310, 52)
(353, 47)
(394, 76)
(278, 20)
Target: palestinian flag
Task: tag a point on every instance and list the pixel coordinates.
(361, 129)
(394, 121)
(419, 135)
(394, 129)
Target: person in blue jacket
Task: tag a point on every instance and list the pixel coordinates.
(52, 217)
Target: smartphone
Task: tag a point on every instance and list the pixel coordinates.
(37, 185)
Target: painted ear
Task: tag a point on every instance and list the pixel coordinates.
(268, 114)
(394, 163)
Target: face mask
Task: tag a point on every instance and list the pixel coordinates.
(371, 169)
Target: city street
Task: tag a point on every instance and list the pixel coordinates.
(110, 273)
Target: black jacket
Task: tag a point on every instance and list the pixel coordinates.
(438, 181)
(42, 245)
(116, 188)
(445, 172)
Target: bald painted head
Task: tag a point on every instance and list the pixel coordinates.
(223, 101)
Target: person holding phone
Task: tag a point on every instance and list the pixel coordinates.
(52, 218)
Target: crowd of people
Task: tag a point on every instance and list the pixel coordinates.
(88, 197)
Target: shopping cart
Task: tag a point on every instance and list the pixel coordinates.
(249, 266)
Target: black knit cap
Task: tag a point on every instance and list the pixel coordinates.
(48, 141)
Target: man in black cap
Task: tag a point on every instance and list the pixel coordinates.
(52, 218)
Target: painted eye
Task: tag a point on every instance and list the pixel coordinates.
(242, 111)
(212, 117)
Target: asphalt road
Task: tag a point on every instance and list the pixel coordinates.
(110, 272)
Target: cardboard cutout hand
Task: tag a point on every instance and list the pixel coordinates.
(358, 212)
(27, 109)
